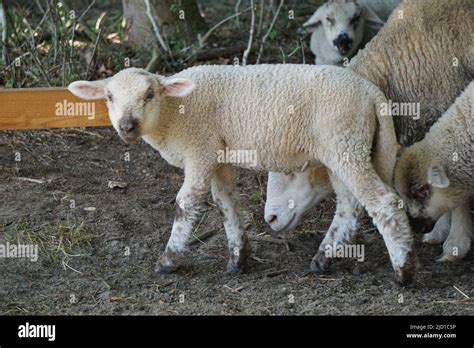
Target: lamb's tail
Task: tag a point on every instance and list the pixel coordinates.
(386, 144)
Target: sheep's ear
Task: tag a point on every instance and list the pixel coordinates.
(372, 20)
(177, 87)
(437, 176)
(88, 89)
(315, 20)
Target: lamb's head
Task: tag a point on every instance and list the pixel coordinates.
(424, 186)
(343, 22)
(133, 98)
(290, 196)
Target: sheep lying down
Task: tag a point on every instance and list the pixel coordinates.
(340, 27)
(435, 176)
(286, 117)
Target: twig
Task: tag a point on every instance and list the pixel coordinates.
(201, 237)
(236, 10)
(302, 51)
(155, 26)
(275, 273)
(33, 49)
(269, 30)
(93, 53)
(236, 290)
(252, 27)
(36, 181)
(462, 293)
(209, 32)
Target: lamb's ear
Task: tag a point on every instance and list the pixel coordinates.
(177, 87)
(88, 89)
(437, 176)
(315, 20)
(372, 20)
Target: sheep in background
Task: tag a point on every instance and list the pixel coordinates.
(340, 27)
(282, 115)
(425, 57)
(435, 175)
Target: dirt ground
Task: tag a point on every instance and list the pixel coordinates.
(101, 261)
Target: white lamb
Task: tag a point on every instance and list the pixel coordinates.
(340, 27)
(287, 115)
(436, 175)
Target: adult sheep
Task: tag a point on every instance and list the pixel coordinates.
(423, 55)
(339, 28)
(287, 115)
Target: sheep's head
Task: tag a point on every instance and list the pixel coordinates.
(423, 185)
(343, 23)
(133, 98)
(291, 196)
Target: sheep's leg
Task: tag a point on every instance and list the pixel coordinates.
(222, 187)
(343, 227)
(189, 201)
(440, 231)
(458, 243)
(383, 206)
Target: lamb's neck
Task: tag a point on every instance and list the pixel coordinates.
(168, 118)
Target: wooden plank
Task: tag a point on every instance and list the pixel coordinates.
(36, 108)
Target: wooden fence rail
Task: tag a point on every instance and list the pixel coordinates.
(36, 108)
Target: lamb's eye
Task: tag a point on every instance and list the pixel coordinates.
(355, 21)
(110, 98)
(330, 20)
(150, 94)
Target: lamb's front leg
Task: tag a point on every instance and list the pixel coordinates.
(343, 228)
(458, 243)
(222, 188)
(189, 201)
(440, 231)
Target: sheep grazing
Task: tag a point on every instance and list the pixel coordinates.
(283, 115)
(421, 55)
(340, 27)
(435, 175)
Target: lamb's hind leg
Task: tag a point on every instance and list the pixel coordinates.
(343, 228)
(222, 188)
(383, 206)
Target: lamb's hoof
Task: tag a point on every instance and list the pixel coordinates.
(319, 263)
(447, 258)
(233, 268)
(238, 257)
(165, 269)
(406, 274)
(167, 263)
(431, 240)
